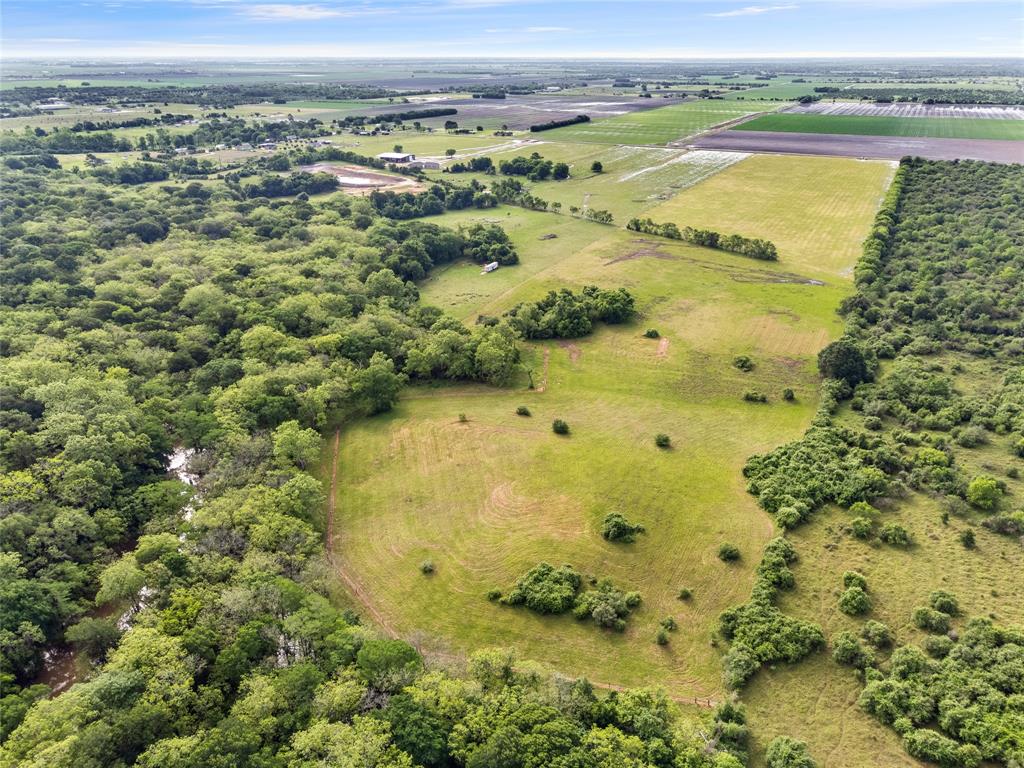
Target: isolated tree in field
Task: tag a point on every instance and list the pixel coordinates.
(450, 152)
(559, 427)
(450, 125)
(597, 167)
(662, 440)
(617, 528)
(728, 553)
(842, 359)
(397, 148)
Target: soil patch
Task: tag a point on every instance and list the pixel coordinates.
(662, 352)
(360, 180)
(575, 353)
(846, 145)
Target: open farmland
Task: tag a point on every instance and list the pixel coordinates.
(660, 126)
(520, 112)
(797, 222)
(481, 498)
(863, 125)
(872, 109)
(842, 145)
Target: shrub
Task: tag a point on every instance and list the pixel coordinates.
(967, 538)
(743, 362)
(662, 440)
(855, 579)
(895, 534)
(938, 646)
(930, 620)
(662, 637)
(606, 605)
(971, 437)
(847, 650)
(651, 333)
(617, 528)
(788, 395)
(944, 601)
(559, 427)
(546, 589)
(983, 492)
(861, 527)
(596, 166)
(876, 634)
(854, 602)
(494, 595)
(929, 745)
(755, 397)
(784, 752)
(522, 410)
(728, 553)
(685, 593)
(427, 567)
(463, 418)
(668, 624)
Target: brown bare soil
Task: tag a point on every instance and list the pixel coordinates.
(843, 145)
(358, 180)
(574, 351)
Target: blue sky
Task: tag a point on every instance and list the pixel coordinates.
(510, 28)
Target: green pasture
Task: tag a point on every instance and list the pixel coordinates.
(925, 127)
(490, 495)
(815, 209)
(658, 126)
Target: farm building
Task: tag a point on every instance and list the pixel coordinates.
(490, 267)
(396, 157)
(423, 163)
(268, 145)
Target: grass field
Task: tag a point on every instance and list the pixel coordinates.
(659, 126)
(815, 225)
(925, 127)
(820, 696)
(488, 497)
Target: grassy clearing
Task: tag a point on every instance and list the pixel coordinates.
(813, 208)
(925, 127)
(488, 497)
(659, 126)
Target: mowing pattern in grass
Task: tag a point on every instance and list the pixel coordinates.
(487, 498)
(660, 126)
(811, 208)
(927, 127)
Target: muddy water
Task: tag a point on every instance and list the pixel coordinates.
(62, 667)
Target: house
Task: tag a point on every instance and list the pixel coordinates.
(396, 157)
(245, 146)
(181, 150)
(424, 163)
(490, 267)
(53, 107)
(268, 145)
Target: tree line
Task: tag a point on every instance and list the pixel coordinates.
(754, 248)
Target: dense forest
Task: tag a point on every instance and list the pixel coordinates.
(219, 331)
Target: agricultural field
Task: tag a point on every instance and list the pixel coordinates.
(478, 498)
(797, 222)
(660, 126)
(872, 109)
(927, 127)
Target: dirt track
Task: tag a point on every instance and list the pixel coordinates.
(884, 147)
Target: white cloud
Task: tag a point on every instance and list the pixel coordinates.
(753, 10)
(547, 29)
(286, 12)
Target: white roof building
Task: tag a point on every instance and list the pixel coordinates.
(396, 157)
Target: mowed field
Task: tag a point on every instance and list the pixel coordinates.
(489, 496)
(858, 125)
(816, 225)
(660, 126)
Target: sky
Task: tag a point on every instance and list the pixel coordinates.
(153, 29)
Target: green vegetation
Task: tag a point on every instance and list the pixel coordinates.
(868, 125)
(659, 126)
(744, 246)
(616, 527)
